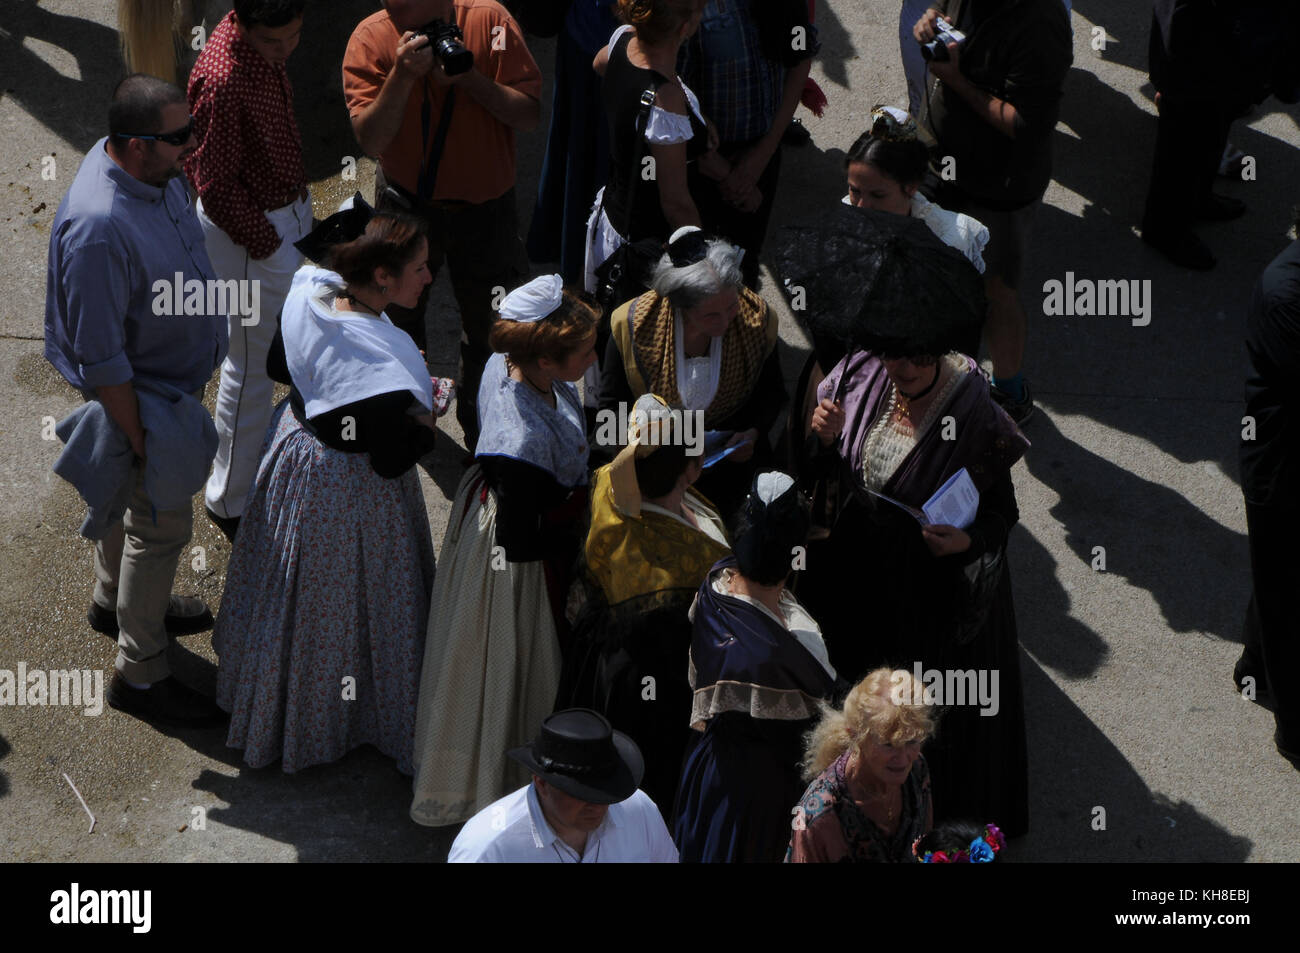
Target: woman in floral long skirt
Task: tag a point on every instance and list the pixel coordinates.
(321, 631)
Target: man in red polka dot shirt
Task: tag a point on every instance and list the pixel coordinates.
(253, 205)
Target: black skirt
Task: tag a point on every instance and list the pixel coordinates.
(882, 599)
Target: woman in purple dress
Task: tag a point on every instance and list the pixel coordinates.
(893, 588)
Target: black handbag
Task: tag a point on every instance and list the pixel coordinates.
(626, 274)
(978, 587)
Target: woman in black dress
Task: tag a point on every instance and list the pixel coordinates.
(658, 144)
(759, 671)
(892, 588)
(652, 541)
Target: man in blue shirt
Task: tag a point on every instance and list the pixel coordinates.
(126, 256)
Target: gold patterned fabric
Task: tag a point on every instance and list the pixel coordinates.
(645, 328)
(633, 556)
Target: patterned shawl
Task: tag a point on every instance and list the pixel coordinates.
(836, 830)
(516, 422)
(635, 556)
(743, 660)
(987, 443)
(650, 355)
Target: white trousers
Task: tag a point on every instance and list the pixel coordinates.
(243, 409)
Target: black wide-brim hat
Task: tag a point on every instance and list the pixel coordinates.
(579, 752)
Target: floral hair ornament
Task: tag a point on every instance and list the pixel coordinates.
(532, 302)
(650, 426)
(981, 850)
(892, 124)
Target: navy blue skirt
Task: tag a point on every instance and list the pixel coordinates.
(739, 788)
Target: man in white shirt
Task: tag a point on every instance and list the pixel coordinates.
(582, 807)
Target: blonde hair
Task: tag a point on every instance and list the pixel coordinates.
(887, 706)
(150, 31)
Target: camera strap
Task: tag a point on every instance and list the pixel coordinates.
(433, 153)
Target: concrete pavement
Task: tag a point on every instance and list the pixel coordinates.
(1132, 717)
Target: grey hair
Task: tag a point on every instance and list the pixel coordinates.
(686, 287)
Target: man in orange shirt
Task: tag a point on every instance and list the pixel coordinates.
(446, 151)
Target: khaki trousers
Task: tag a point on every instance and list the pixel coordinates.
(135, 566)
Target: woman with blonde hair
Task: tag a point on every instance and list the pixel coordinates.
(869, 799)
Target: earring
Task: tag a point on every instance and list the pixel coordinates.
(383, 289)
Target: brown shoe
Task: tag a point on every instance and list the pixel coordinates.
(166, 702)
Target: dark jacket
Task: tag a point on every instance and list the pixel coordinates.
(1232, 52)
(1019, 51)
(1270, 462)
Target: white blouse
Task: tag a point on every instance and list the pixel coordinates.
(705, 521)
(956, 229)
(697, 377)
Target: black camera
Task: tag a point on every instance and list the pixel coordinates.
(445, 38)
(937, 49)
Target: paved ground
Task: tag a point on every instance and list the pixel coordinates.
(1129, 702)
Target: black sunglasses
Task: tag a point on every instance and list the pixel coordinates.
(177, 138)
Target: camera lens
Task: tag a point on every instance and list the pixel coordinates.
(456, 59)
(928, 50)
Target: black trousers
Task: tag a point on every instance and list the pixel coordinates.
(746, 229)
(486, 259)
(1272, 625)
(1190, 137)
